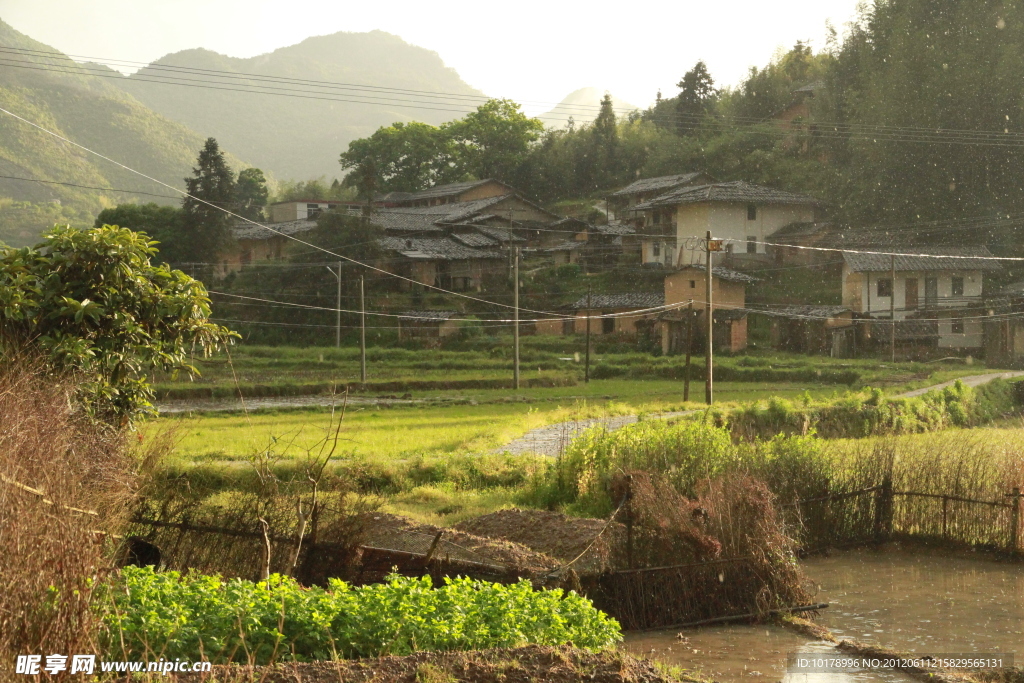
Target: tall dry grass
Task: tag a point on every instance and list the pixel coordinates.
(65, 483)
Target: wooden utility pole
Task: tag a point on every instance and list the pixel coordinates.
(362, 330)
(892, 307)
(337, 315)
(586, 365)
(515, 329)
(689, 344)
(708, 379)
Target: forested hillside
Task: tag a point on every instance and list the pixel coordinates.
(55, 92)
(299, 131)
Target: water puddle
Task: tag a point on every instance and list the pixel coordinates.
(913, 602)
(924, 603)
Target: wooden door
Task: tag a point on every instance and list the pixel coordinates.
(910, 294)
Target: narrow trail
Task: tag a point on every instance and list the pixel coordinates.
(552, 439)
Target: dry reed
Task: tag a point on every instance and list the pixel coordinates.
(65, 483)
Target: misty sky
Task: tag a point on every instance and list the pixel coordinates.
(533, 51)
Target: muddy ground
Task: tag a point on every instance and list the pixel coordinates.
(520, 665)
(555, 535)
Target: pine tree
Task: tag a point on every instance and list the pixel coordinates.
(697, 95)
(210, 190)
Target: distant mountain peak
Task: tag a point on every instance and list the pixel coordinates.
(583, 106)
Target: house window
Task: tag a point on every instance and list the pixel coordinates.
(958, 286)
(885, 287)
(751, 212)
(312, 210)
(751, 244)
(957, 325)
(693, 284)
(607, 325)
(656, 250)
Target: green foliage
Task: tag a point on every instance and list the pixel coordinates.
(190, 617)
(688, 453)
(492, 142)
(405, 157)
(163, 223)
(251, 193)
(211, 190)
(94, 304)
(870, 413)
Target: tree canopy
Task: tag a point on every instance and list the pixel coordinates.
(92, 302)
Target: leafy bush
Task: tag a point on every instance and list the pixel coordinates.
(193, 616)
(870, 413)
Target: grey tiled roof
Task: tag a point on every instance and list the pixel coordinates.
(952, 258)
(812, 311)
(912, 329)
(628, 300)
(566, 245)
(665, 182)
(737, 192)
(615, 228)
(448, 190)
(427, 316)
(247, 231)
(474, 239)
(434, 249)
(503, 235)
(726, 273)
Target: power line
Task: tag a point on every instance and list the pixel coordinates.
(243, 218)
(88, 187)
(823, 129)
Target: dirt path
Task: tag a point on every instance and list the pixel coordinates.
(553, 439)
(971, 381)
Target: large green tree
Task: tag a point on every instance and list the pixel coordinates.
(211, 190)
(97, 309)
(697, 94)
(404, 157)
(251, 193)
(495, 140)
(162, 223)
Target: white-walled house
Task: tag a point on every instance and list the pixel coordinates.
(937, 292)
(742, 214)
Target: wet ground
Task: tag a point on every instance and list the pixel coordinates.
(918, 603)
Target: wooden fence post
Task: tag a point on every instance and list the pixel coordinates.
(1014, 545)
(883, 511)
(629, 521)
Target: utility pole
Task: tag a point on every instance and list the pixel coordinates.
(337, 316)
(689, 344)
(515, 330)
(708, 379)
(586, 367)
(892, 307)
(362, 330)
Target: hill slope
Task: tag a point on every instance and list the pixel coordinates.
(65, 97)
(582, 105)
(301, 137)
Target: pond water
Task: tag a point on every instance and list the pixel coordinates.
(915, 602)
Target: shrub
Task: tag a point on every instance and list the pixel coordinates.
(195, 616)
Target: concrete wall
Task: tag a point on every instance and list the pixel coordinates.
(860, 290)
(729, 221)
(724, 294)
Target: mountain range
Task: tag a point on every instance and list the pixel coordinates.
(290, 112)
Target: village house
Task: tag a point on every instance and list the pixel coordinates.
(935, 297)
(629, 315)
(301, 209)
(685, 292)
(431, 325)
(451, 193)
(1004, 327)
(592, 246)
(254, 243)
(441, 261)
(827, 330)
(741, 214)
(621, 203)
